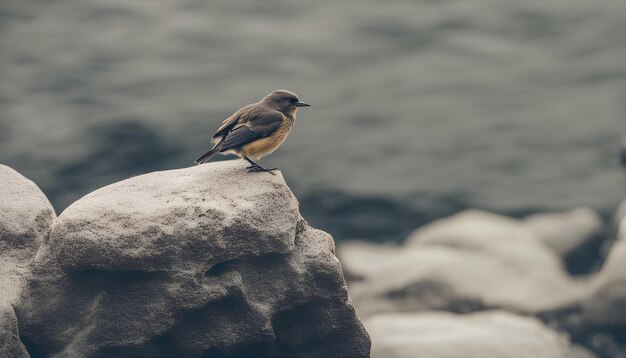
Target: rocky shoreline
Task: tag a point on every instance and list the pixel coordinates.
(459, 282)
(209, 261)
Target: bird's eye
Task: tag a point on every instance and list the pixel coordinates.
(293, 100)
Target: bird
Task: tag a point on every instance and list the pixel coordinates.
(257, 129)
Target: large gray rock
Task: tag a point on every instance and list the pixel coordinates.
(490, 334)
(25, 216)
(203, 261)
(473, 260)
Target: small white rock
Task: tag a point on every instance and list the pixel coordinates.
(564, 232)
(469, 261)
(490, 334)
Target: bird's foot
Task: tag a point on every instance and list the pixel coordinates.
(257, 168)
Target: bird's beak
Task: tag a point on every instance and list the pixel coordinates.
(302, 104)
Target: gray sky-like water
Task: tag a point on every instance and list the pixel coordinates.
(505, 105)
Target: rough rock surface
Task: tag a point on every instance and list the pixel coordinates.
(473, 260)
(565, 232)
(204, 261)
(490, 334)
(10, 344)
(25, 216)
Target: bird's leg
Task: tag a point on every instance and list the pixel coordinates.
(255, 168)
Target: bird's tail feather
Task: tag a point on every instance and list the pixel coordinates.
(207, 156)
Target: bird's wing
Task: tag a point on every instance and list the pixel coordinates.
(227, 125)
(238, 117)
(253, 128)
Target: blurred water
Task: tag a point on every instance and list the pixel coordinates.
(420, 108)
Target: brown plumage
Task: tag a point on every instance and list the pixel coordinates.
(257, 129)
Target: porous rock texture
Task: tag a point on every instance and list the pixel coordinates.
(471, 261)
(205, 261)
(25, 216)
(488, 334)
(10, 344)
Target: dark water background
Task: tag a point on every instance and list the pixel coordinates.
(420, 108)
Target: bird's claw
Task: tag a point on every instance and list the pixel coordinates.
(258, 168)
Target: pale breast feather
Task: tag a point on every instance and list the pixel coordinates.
(264, 146)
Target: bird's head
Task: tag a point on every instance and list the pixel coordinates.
(284, 101)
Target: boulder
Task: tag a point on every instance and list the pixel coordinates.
(203, 261)
(471, 261)
(489, 334)
(565, 232)
(25, 216)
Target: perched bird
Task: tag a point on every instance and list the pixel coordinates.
(257, 129)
